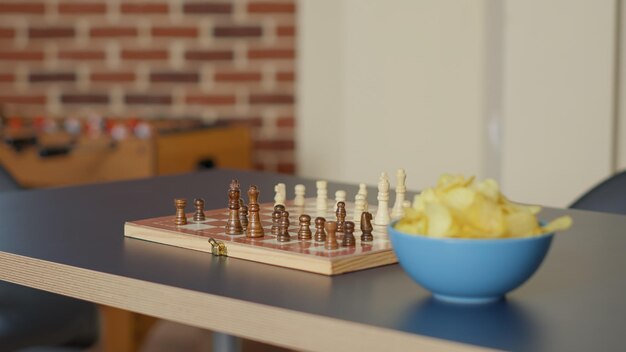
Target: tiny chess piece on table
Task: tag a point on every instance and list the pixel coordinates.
(199, 214)
(348, 237)
(363, 192)
(398, 208)
(233, 224)
(331, 236)
(366, 227)
(340, 196)
(321, 202)
(278, 209)
(181, 218)
(304, 233)
(255, 228)
(382, 214)
(283, 230)
(280, 194)
(341, 216)
(320, 234)
(300, 191)
(243, 216)
(359, 206)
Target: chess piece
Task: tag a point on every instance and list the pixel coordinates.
(321, 203)
(382, 214)
(233, 224)
(363, 192)
(181, 218)
(278, 209)
(283, 230)
(304, 233)
(331, 236)
(341, 216)
(299, 190)
(243, 216)
(320, 234)
(348, 237)
(255, 228)
(359, 206)
(340, 196)
(366, 227)
(199, 214)
(398, 207)
(280, 194)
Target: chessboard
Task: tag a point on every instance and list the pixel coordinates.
(308, 255)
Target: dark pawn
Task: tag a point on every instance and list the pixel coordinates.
(366, 227)
(320, 234)
(304, 233)
(331, 237)
(243, 216)
(278, 209)
(341, 216)
(283, 231)
(199, 214)
(348, 237)
(233, 224)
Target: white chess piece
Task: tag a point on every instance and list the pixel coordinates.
(363, 191)
(398, 207)
(340, 196)
(279, 194)
(382, 214)
(299, 199)
(359, 206)
(321, 203)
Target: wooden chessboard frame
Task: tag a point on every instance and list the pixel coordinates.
(297, 254)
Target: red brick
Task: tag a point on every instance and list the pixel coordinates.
(287, 121)
(238, 76)
(112, 76)
(210, 99)
(271, 99)
(178, 32)
(7, 77)
(22, 55)
(286, 168)
(113, 32)
(209, 55)
(144, 8)
(23, 7)
(50, 32)
(128, 54)
(285, 76)
(271, 54)
(285, 144)
(204, 7)
(237, 31)
(147, 99)
(248, 121)
(85, 99)
(81, 8)
(6, 32)
(23, 99)
(271, 7)
(81, 55)
(178, 77)
(52, 77)
(286, 31)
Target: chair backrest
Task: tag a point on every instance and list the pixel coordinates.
(609, 196)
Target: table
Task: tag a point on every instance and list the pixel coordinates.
(70, 241)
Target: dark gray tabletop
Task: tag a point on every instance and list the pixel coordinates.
(575, 302)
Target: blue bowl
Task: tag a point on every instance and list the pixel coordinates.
(469, 270)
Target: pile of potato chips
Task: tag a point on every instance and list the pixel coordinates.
(463, 208)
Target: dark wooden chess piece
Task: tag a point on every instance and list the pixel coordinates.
(348, 237)
(278, 209)
(304, 233)
(331, 236)
(283, 230)
(320, 234)
(366, 227)
(233, 224)
(341, 216)
(181, 218)
(255, 228)
(243, 216)
(199, 214)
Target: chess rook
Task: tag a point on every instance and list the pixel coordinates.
(181, 218)
(233, 224)
(255, 228)
(199, 205)
(398, 208)
(283, 229)
(366, 227)
(304, 232)
(382, 214)
(320, 234)
(348, 237)
(331, 235)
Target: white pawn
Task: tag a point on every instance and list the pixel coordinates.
(398, 208)
(359, 206)
(363, 191)
(279, 194)
(382, 214)
(340, 196)
(299, 199)
(321, 203)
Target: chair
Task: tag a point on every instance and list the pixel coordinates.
(608, 196)
(33, 320)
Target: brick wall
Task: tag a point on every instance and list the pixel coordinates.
(219, 60)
